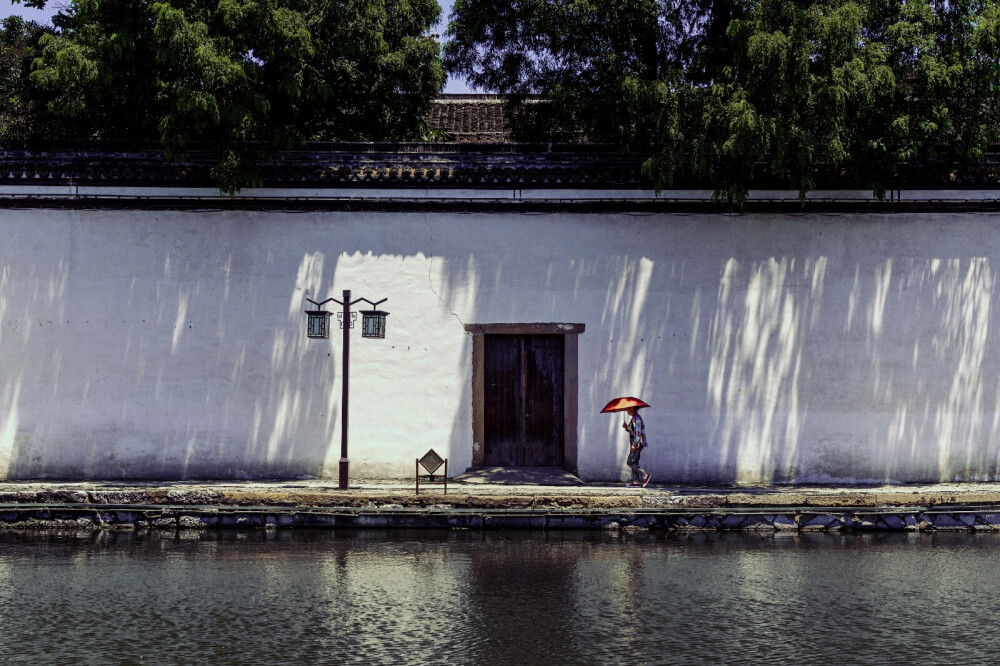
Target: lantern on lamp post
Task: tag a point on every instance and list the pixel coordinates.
(373, 323)
(318, 324)
(372, 326)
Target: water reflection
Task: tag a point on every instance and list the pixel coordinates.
(510, 597)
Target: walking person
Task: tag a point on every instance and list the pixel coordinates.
(637, 442)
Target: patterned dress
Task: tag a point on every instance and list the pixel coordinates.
(636, 438)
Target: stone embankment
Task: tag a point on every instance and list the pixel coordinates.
(316, 504)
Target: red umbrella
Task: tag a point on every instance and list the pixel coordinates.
(621, 404)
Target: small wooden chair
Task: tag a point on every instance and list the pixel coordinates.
(431, 462)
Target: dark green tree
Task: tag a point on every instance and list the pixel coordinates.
(782, 101)
(946, 56)
(22, 107)
(250, 77)
(727, 90)
(577, 54)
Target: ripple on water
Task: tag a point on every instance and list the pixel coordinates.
(508, 597)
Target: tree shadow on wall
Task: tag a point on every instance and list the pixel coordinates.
(773, 349)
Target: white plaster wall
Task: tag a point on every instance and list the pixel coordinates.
(772, 348)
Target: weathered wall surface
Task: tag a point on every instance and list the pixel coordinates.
(773, 348)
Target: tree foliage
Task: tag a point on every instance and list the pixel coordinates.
(22, 107)
(249, 76)
(726, 89)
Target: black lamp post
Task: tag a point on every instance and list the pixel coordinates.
(372, 326)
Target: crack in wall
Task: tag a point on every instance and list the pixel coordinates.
(430, 272)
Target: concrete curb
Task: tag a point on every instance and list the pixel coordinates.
(777, 519)
(318, 503)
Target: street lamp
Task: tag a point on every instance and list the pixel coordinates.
(373, 323)
(372, 326)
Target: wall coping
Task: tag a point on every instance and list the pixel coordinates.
(525, 329)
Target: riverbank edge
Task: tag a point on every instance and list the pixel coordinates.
(317, 504)
(444, 516)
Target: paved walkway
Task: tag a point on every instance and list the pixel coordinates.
(483, 505)
(371, 492)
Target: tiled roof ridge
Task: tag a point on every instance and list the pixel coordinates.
(382, 164)
(482, 98)
(585, 166)
(324, 150)
(486, 98)
(465, 118)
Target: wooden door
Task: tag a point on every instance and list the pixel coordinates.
(523, 401)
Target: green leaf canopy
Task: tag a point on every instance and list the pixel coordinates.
(22, 107)
(249, 76)
(726, 90)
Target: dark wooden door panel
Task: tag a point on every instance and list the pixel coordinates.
(543, 418)
(523, 400)
(503, 398)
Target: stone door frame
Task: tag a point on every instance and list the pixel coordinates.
(571, 382)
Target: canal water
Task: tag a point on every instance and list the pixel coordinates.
(401, 597)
